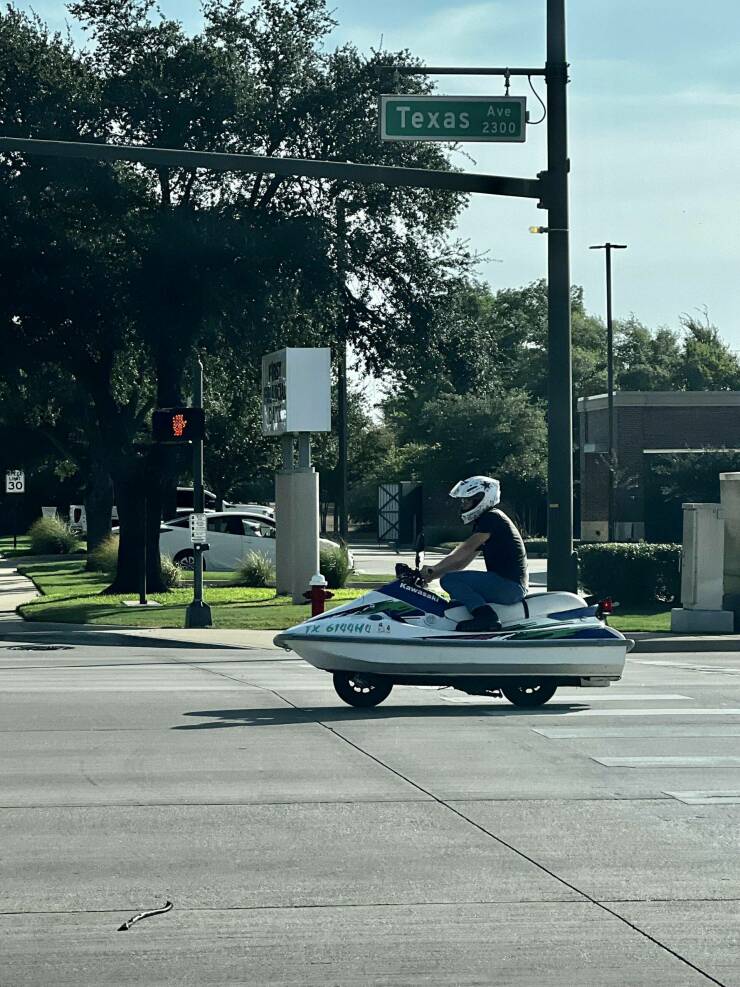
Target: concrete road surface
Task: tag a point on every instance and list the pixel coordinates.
(438, 839)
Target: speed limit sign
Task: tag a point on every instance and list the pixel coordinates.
(15, 482)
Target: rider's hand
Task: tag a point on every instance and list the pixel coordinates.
(427, 573)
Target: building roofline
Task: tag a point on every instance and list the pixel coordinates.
(662, 399)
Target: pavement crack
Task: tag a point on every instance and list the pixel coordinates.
(520, 853)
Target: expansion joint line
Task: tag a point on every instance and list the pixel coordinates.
(516, 850)
(451, 808)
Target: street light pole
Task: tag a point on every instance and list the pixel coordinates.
(607, 248)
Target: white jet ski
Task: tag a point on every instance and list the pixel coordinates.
(403, 634)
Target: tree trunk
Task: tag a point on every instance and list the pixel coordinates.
(131, 489)
(98, 506)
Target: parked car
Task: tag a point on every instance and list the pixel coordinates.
(231, 536)
(185, 504)
(264, 510)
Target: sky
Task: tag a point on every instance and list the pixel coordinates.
(654, 139)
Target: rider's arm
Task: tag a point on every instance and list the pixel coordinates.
(462, 556)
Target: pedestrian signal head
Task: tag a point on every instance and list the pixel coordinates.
(178, 425)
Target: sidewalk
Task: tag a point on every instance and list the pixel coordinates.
(14, 588)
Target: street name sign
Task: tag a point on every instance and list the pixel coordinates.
(198, 529)
(15, 482)
(453, 118)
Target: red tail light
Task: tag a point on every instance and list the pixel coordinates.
(606, 606)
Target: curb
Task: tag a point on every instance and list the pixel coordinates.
(668, 643)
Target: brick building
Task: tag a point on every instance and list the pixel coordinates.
(646, 423)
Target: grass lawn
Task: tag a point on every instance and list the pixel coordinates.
(657, 618)
(72, 595)
(357, 580)
(23, 546)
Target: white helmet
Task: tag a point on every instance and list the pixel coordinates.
(485, 490)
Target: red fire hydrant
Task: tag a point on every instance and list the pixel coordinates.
(318, 594)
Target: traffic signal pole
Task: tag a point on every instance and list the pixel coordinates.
(561, 568)
(198, 613)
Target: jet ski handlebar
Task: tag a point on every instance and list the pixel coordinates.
(408, 575)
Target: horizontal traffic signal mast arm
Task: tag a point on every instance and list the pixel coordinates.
(456, 70)
(452, 181)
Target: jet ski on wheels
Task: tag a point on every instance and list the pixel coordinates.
(404, 634)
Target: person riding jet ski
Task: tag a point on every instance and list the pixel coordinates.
(496, 535)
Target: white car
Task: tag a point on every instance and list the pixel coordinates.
(262, 509)
(231, 536)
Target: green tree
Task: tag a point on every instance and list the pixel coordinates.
(707, 362)
(645, 360)
(167, 261)
(499, 433)
(674, 480)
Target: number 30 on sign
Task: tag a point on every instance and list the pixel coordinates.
(15, 482)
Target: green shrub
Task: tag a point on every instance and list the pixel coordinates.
(104, 558)
(334, 566)
(636, 573)
(49, 536)
(171, 573)
(256, 570)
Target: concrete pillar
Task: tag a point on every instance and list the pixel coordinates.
(729, 486)
(297, 529)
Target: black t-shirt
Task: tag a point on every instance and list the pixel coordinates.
(504, 552)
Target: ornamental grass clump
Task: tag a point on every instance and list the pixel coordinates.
(104, 557)
(50, 536)
(171, 573)
(334, 566)
(256, 570)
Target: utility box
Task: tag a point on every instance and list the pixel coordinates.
(702, 573)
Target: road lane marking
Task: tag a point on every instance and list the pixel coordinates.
(691, 666)
(706, 798)
(680, 711)
(614, 697)
(646, 732)
(669, 761)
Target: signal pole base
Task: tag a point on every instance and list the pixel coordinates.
(198, 615)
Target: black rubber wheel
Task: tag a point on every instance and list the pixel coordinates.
(186, 560)
(529, 694)
(361, 690)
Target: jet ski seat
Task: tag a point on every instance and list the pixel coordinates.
(533, 605)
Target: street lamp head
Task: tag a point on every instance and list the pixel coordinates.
(609, 246)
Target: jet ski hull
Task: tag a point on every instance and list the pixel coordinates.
(402, 634)
(443, 659)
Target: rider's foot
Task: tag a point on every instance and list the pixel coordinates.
(484, 619)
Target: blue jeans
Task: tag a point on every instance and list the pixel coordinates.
(476, 589)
